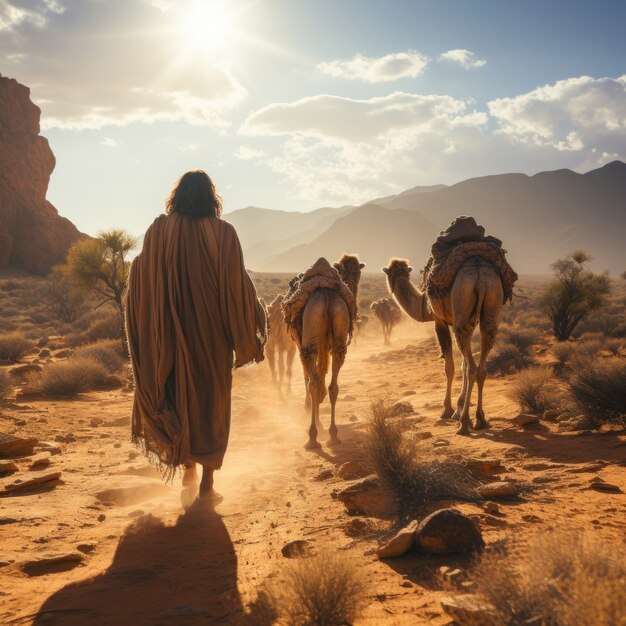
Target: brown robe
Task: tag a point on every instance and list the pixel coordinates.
(190, 305)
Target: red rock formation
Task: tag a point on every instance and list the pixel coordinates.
(33, 237)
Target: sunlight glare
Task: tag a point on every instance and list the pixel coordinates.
(208, 26)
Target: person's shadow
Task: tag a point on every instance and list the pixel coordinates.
(181, 574)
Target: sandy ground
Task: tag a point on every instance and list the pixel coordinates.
(145, 559)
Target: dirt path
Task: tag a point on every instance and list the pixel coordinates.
(144, 560)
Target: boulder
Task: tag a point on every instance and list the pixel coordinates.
(500, 489)
(369, 496)
(447, 531)
(34, 237)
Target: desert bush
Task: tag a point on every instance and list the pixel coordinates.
(13, 346)
(104, 326)
(522, 338)
(71, 377)
(614, 345)
(413, 482)
(108, 352)
(507, 357)
(598, 387)
(6, 385)
(535, 390)
(324, 590)
(556, 578)
(62, 297)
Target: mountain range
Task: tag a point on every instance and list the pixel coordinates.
(540, 219)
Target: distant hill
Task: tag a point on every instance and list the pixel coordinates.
(540, 218)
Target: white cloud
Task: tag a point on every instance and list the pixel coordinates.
(35, 12)
(341, 149)
(109, 142)
(102, 63)
(245, 153)
(464, 58)
(571, 115)
(374, 70)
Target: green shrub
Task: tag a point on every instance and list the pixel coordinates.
(535, 390)
(13, 346)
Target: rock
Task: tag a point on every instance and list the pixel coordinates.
(16, 446)
(400, 409)
(447, 531)
(425, 434)
(48, 447)
(34, 237)
(298, 549)
(350, 470)
(369, 496)
(449, 574)
(101, 517)
(7, 467)
(525, 419)
(400, 544)
(600, 485)
(50, 564)
(539, 467)
(492, 508)
(468, 608)
(39, 462)
(324, 474)
(587, 467)
(45, 353)
(67, 438)
(500, 489)
(22, 372)
(86, 548)
(484, 467)
(353, 418)
(49, 479)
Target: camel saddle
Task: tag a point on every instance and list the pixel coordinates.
(462, 240)
(321, 275)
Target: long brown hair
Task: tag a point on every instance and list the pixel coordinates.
(194, 195)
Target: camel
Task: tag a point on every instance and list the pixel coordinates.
(476, 297)
(325, 332)
(388, 314)
(280, 348)
(359, 324)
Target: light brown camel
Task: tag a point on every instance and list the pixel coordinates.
(476, 297)
(359, 324)
(388, 314)
(280, 348)
(325, 332)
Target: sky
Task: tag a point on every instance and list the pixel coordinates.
(297, 104)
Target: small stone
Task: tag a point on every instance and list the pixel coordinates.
(468, 608)
(484, 467)
(540, 467)
(101, 517)
(298, 549)
(599, 485)
(400, 544)
(406, 583)
(500, 489)
(492, 508)
(525, 419)
(350, 470)
(353, 418)
(369, 496)
(26, 485)
(40, 461)
(86, 548)
(67, 438)
(447, 531)
(7, 467)
(17, 446)
(324, 474)
(50, 564)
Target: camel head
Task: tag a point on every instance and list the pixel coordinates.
(395, 269)
(349, 268)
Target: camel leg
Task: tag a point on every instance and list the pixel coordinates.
(445, 343)
(461, 399)
(272, 362)
(291, 353)
(339, 356)
(488, 330)
(463, 333)
(314, 395)
(281, 369)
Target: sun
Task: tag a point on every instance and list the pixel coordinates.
(207, 26)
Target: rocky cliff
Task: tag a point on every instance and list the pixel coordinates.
(33, 236)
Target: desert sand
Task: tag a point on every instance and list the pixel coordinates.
(109, 543)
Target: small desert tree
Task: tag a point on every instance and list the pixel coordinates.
(101, 266)
(61, 295)
(574, 294)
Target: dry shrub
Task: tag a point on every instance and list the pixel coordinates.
(507, 357)
(323, 590)
(535, 390)
(556, 578)
(105, 326)
(13, 346)
(71, 377)
(599, 389)
(108, 352)
(522, 338)
(413, 482)
(6, 385)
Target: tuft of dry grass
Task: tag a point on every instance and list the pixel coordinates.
(108, 352)
(71, 377)
(6, 385)
(413, 482)
(598, 387)
(13, 346)
(324, 590)
(557, 578)
(535, 390)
